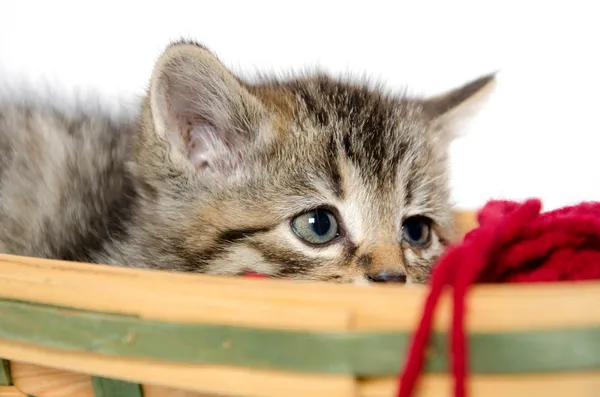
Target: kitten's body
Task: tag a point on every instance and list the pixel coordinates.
(65, 187)
(208, 174)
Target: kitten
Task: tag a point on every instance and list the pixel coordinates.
(306, 178)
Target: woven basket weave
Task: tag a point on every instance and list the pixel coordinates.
(69, 329)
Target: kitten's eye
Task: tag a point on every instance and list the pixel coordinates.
(318, 226)
(416, 230)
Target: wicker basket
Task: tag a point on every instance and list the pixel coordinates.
(76, 330)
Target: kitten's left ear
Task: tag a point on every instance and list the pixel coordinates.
(450, 109)
(208, 117)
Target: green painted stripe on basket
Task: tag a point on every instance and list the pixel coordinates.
(358, 353)
(105, 387)
(5, 378)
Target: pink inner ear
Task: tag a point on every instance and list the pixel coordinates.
(209, 148)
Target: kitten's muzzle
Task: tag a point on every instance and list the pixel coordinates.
(387, 277)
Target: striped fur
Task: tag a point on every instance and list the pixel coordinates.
(137, 191)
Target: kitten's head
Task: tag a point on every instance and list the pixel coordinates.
(306, 178)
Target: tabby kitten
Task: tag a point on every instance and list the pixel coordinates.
(305, 178)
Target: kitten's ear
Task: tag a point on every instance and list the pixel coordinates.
(450, 109)
(202, 110)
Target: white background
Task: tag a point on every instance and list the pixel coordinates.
(536, 137)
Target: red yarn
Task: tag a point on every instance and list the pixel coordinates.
(255, 275)
(514, 243)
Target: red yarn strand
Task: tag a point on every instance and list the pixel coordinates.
(514, 243)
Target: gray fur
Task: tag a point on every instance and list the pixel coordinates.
(85, 185)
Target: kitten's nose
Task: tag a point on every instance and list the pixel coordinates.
(387, 277)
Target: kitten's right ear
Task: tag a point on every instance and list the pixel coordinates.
(202, 110)
(447, 111)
